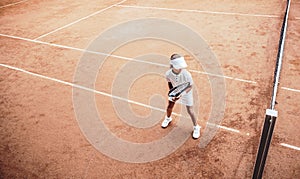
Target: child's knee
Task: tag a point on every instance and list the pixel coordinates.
(170, 107)
(190, 110)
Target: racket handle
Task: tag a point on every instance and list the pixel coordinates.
(171, 99)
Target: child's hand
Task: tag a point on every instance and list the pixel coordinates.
(173, 99)
(176, 98)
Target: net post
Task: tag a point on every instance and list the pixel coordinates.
(271, 114)
(265, 142)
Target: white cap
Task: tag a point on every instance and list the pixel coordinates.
(178, 63)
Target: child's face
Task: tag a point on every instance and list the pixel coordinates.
(176, 70)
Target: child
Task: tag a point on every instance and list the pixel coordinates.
(176, 75)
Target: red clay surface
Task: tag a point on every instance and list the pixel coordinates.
(40, 136)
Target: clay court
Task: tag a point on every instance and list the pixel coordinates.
(47, 102)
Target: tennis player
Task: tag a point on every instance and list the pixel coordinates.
(176, 75)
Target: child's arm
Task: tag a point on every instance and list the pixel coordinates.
(170, 85)
(189, 89)
(186, 91)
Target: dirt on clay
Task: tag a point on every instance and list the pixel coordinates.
(41, 138)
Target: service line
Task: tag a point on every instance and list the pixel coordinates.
(132, 59)
(86, 17)
(122, 57)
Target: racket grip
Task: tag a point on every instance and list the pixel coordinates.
(171, 99)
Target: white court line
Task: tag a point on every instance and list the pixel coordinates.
(104, 94)
(199, 11)
(222, 76)
(290, 89)
(225, 128)
(123, 99)
(121, 57)
(12, 4)
(290, 146)
(86, 17)
(81, 87)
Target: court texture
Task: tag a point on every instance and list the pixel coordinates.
(83, 92)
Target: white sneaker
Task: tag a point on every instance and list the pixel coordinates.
(196, 132)
(166, 122)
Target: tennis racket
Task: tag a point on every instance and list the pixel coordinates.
(177, 90)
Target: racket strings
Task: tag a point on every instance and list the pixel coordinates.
(178, 89)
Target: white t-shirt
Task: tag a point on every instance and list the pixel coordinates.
(177, 79)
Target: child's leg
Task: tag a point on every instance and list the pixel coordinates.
(190, 110)
(168, 118)
(196, 132)
(170, 108)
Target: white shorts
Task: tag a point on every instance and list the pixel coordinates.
(187, 99)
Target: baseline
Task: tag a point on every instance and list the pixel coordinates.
(12, 4)
(198, 11)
